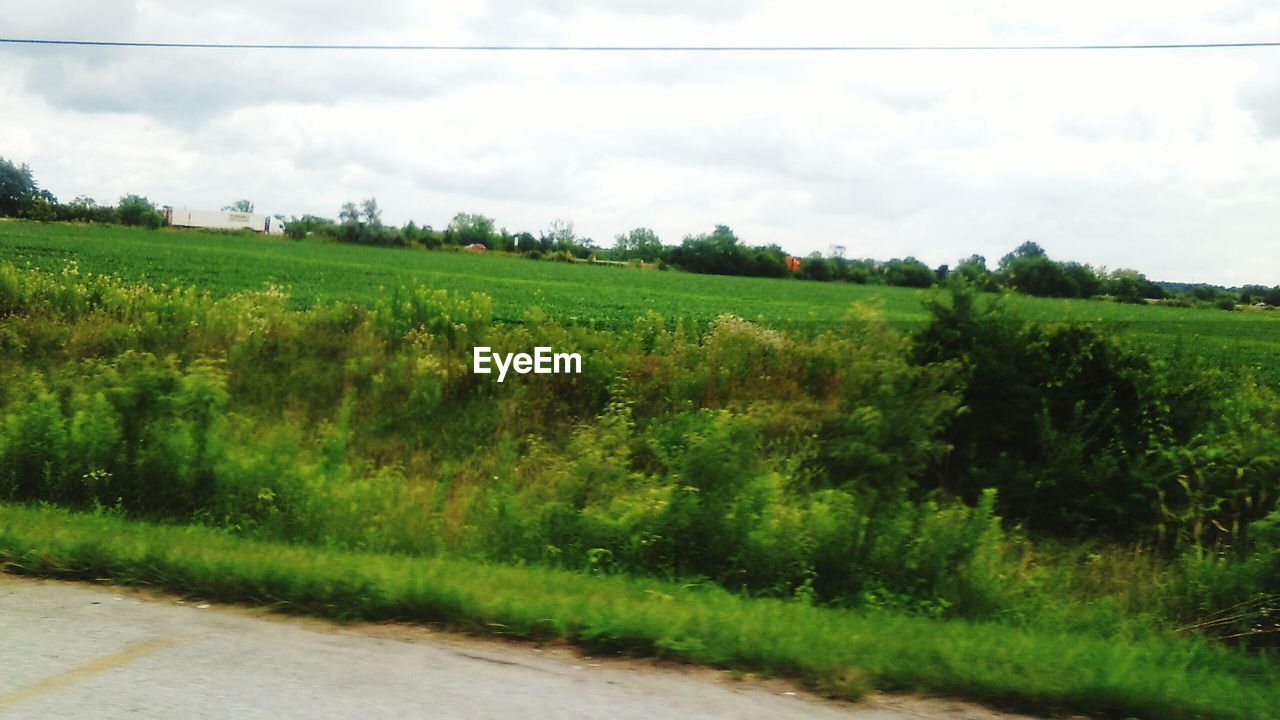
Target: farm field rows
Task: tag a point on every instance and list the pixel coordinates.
(319, 273)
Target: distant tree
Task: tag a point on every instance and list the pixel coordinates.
(1029, 269)
(470, 228)
(410, 233)
(1131, 286)
(43, 207)
(139, 211)
(717, 253)
(1026, 250)
(349, 213)
(816, 267)
(86, 209)
(1084, 280)
(860, 272)
(908, 272)
(560, 235)
(243, 206)
(371, 212)
(503, 240)
(1250, 294)
(17, 188)
(298, 228)
(349, 222)
(363, 224)
(640, 243)
(525, 243)
(771, 261)
(973, 271)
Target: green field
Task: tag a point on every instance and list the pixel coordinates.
(992, 506)
(604, 296)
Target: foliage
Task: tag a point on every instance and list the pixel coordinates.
(320, 273)
(363, 224)
(722, 253)
(908, 272)
(18, 189)
(300, 227)
(864, 463)
(470, 229)
(1081, 432)
(139, 211)
(640, 243)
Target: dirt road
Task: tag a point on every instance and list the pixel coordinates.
(84, 651)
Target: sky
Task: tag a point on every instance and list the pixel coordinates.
(1164, 161)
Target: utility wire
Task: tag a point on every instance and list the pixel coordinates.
(638, 48)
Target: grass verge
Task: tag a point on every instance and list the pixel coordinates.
(837, 652)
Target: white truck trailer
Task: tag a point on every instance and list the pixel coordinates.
(223, 220)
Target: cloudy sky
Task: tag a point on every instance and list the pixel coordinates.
(1165, 161)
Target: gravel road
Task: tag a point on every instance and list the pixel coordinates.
(87, 651)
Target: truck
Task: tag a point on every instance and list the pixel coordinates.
(222, 220)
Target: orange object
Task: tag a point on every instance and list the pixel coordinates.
(793, 263)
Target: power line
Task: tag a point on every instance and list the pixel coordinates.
(637, 48)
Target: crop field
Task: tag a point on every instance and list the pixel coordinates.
(601, 296)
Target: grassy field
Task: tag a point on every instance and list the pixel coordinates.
(841, 653)
(741, 497)
(324, 272)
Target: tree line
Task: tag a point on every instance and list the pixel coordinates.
(1028, 269)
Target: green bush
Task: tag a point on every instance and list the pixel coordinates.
(137, 210)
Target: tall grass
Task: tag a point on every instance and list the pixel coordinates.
(814, 467)
(839, 652)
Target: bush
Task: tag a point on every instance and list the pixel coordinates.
(137, 210)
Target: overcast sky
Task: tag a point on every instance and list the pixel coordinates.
(1164, 161)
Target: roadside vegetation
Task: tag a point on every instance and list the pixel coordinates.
(839, 653)
(1058, 503)
(1029, 486)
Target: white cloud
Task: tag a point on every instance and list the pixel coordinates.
(1163, 161)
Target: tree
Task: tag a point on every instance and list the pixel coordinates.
(1131, 286)
(469, 229)
(1027, 249)
(243, 206)
(371, 212)
(300, 227)
(560, 235)
(974, 272)
(137, 210)
(816, 267)
(717, 253)
(1029, 269)
(908, 272)
(525, 242)
(410, 233)
(363, 224)
(348, 214)
(641, 243)
(17, 188)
